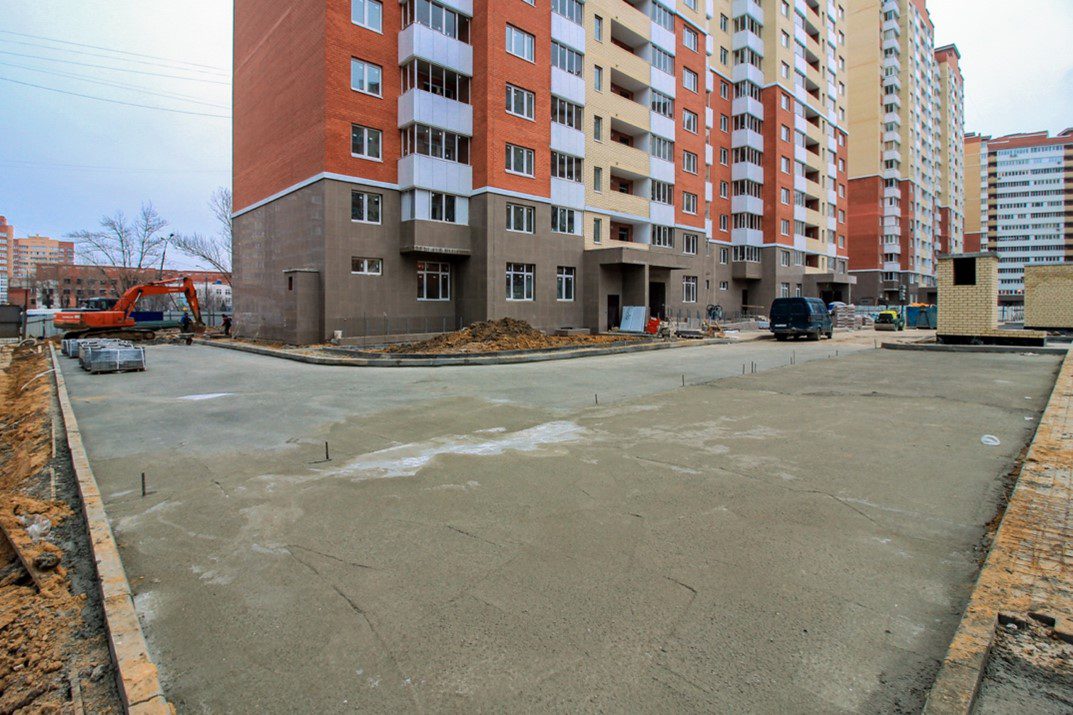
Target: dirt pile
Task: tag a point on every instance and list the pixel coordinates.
(46, 647)
(499, 335)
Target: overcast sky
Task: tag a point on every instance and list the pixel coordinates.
(65, 160)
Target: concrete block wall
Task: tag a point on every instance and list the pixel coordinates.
(1049, 296)
(968, 309)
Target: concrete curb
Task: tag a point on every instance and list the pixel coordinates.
(514, 359)
(1024, 570)
(939, 348)
(136, 675)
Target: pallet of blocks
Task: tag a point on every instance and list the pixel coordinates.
(846, 317)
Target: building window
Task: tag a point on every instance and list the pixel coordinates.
(430, 141)
(724, 255)
(689, 202)
(564, 166)
(597, 230)
(689, 38)
(662, 60)
(365, 207)
(437, 17)
(598, 78)
(520, 160)
(689, 289)
(689, 162)
(367, 13)
(597, 179)
(566, 113)
(562, 220)
(520, 43)
(662, 192)
(365, 142)
(690, 121)
(662, 16)
(598, 129)
(662, 104)
(427, 77)
(564, 284)
(520, 281)
(365, 77)
(784, 258)
(689, 243)
(570, 9)
(784, 290)
(661, 148)
(689, 79)
(367, 266)
(442, 207)
(521, 102)
(663, 236)
(566, 59)
(521, 218)
(598, 28)
(433, 281)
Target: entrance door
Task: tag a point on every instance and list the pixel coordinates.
(657, 300)
(612, 311)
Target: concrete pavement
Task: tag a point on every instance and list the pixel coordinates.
(487, 538)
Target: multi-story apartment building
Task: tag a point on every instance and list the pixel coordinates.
(950, 155)
(905, 115)
(30, 252)
(1019, 191)
(7, 243)
(786, 62)
(440, 162)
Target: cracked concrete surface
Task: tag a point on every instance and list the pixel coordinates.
(801, 539)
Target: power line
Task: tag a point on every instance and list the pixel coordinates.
(115, 101)
(114, 69)
(113, 58)
(109, 49)
(122, 169)
(119, 85)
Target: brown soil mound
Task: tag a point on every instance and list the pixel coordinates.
(500, 335)
(45, 645)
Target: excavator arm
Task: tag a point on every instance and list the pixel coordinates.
(185, 286)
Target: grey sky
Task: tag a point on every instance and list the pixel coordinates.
(65, 160)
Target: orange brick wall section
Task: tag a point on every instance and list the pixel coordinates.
(775, 179)
(842, 203)
(345, 107)
(721, 172)
(686, 141)
(864, 223)
(493, 68)
(278, 100)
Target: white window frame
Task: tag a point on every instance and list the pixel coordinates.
(690, 121)
(528, 102)
(438, 270)
(521, 218)
(366, 132)
(527, 40)
(689, 289)
(444, 200)
(378, 202)
(362, 8)
(690, 38)
(526, 274)
(690, 79)
(369, 266)
(366, 68)
(527, 157)
(690, 242)
(689, 162)
(689, 203)
(565, 284)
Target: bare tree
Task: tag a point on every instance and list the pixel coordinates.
(215, 250)
(123, 249)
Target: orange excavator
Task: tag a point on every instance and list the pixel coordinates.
(117, 321)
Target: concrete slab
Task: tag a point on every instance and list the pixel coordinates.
(485, 538)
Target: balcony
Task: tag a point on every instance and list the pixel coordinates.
(747, 171)
(432, 109)
(747, 39)
(746, 72)
(746, 271)
(627, 110)
(630, 160)
(750, 8)
(747, 205)
(428, 172)
(420, 41)
(627, 63)
(434, 237)
(747, 138)
(748, 105)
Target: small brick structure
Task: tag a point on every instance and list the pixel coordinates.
(1049, 297)
(968, 303)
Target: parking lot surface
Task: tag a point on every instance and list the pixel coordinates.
(488, 537)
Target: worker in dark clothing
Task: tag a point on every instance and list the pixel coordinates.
(227, 325)
(184, 322)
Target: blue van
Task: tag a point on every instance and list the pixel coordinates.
(794, 317)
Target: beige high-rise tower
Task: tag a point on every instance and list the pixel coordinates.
(905, 159)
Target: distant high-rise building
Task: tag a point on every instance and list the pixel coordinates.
(32, 251)
(1019, 202)
(905, 150)
(7, 243)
